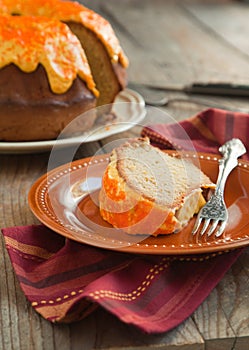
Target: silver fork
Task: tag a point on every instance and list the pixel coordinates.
(214, 214)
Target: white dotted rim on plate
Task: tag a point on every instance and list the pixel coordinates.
(43, 190)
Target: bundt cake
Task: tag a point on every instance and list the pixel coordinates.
(147, 191)
(58, 59)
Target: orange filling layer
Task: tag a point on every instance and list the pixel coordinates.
(133, 213)
(69, 11)
(28, 41)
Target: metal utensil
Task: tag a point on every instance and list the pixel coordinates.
(159, 99)
(214, 214)
(165, 101)
(215, 89)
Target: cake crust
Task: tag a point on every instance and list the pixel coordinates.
(110, 76)
(31, 111)
(146, 191)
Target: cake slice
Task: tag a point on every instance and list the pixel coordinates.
(147, 191)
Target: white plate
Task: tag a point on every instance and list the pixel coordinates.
(129, 108)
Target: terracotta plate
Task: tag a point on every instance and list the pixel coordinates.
(66, 200)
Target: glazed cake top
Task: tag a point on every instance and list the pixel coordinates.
(27, 41)
(67, 11)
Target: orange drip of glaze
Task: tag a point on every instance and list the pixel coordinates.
(124, 211)
(110, 184)
(70, 11)
(29, 41)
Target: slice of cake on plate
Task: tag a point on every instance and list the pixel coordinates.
(147, 191)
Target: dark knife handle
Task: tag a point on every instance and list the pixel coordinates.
(219, 89)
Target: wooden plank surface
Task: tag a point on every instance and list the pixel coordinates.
(166, 41)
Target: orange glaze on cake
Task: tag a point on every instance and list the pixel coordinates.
(122, 208)
(28, 41)
(67, 11)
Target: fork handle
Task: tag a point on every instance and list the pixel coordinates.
(231, 150)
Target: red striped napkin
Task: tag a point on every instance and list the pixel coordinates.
(207, 131)
(65, 280)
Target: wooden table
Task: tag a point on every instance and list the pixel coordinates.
(166, 41)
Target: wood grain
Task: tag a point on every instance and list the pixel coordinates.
(166, 41)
